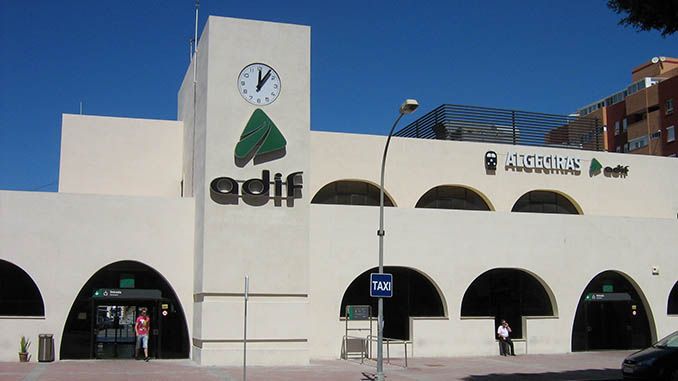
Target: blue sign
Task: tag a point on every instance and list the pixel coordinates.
(381, 285)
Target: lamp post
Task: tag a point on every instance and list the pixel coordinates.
(406, 108)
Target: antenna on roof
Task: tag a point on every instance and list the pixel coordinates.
(195, 93)
(195, 41)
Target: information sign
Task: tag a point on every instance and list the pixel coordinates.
(381, 285)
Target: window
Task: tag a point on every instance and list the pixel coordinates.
(347, 192)
(618, 148)
(452, 197)
(19, 295)
(626, 148)
(670, 134)
(638, 143)
(625, 124)
(616, 128)
(544, 202)
(507, 294)
(656, 135)
(669, 106)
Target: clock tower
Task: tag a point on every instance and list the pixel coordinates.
(246, 153)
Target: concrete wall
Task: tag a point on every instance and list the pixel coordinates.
(61, 240)
(120, 156)
(414, 166)
(267, 242)
(455, 247)
(628, 226)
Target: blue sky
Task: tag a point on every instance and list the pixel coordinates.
(127, 58)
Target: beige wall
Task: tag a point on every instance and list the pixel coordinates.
(235, 240)
(414, 166)
(61, 240)
(120, 156)
(301, 259)
(628, 226)
(454, 247)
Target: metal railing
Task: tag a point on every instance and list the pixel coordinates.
(388, 342)
(493, 125)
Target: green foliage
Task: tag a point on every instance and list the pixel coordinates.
(660, 15)
(24, 345)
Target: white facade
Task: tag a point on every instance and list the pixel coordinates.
(120, 198)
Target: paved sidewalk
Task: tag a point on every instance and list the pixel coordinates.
(562, 367)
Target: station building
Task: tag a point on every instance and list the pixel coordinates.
(576, 248)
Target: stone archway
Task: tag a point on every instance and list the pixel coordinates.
(84, 322)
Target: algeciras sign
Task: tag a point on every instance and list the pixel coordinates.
(261, 141)
(557, 163)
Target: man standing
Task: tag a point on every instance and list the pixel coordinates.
(503, 334)
(142, 326)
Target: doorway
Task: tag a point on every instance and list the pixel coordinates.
(98, 324)
(113, 335)
(611, 315)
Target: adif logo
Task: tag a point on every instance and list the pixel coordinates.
(618, 171)
(257, 192)
(260, 140)
(595, 167)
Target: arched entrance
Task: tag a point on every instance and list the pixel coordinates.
(508, 294)
(672, 305)
(611, 314)
(100, 323)
(414, 295)
(19, 295)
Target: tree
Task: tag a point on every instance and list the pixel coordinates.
(661, 15)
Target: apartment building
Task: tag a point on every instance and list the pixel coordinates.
(640, 118)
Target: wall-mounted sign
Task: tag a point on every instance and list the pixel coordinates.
(490, 160)
(261, 140)
(358, 312)
(126, 293)
(257, 192)
(529, 162)
(619, 171)
(608, 297)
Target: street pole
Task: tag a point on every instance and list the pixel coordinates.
(244, 334)
(409, 106)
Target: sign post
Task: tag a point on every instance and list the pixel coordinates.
(244, 334)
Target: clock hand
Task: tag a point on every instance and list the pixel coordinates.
(263, 80)
(259, 80)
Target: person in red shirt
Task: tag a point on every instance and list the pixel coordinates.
(142, 326)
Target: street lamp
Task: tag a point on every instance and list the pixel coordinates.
(406, 108)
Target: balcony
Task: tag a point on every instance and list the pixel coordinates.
(644, 127)
(642, 100)
(492, 125)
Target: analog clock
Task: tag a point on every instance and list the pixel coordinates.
(259, 84)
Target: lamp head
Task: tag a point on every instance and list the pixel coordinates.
(409, 106)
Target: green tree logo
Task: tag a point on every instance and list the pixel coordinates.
(595, 167)
(260, 140)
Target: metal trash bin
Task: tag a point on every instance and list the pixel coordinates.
(45, 348)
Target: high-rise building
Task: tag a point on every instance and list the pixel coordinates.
(641, 118)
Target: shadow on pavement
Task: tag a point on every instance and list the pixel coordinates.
(570, 375)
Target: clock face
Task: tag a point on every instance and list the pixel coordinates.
(259, 84)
